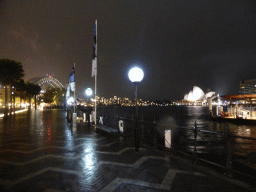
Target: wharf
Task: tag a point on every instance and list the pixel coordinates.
(247, 121)
(41, 151)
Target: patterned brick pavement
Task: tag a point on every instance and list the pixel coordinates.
(41, 151)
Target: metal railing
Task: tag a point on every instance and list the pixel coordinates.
(232, 153)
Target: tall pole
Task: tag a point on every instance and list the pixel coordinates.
(136, 75)
(74, 92)
(6, 102)
(96, 73)
(137, 117)
(136, 100)
(95, 95)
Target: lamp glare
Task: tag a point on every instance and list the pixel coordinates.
(136, 75)
(88, 91)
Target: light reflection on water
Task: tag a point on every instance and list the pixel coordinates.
(172, 117)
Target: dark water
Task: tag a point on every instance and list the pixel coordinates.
(180, 115)
(172, 117)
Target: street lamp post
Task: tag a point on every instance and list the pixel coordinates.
(136, 75)
(88, 92)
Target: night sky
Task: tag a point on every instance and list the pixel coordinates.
(179, 44)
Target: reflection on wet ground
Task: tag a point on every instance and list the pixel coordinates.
(41, 151)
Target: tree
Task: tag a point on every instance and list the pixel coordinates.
(54, 95)
(11, 71)
(20, 90)
(59, 96)
(32, 90)
(49, 95)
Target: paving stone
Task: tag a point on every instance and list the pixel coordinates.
(129, 187)
(41, 151)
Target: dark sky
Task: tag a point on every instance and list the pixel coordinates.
(179, 44)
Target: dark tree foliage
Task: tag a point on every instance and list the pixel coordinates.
(54, 95)
(10, 71)
(32, 89)
(20, 85)
(49, 95)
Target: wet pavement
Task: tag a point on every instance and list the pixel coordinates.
(41, 151)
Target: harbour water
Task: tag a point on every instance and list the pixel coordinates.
(171, 117)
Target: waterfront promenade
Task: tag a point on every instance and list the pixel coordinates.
(41, 151)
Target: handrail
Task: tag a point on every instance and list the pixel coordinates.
(199, 130)
(225, 143)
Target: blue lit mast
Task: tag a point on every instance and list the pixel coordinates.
(94, 65)
(74, 92)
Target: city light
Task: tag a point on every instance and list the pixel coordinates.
(20, 111)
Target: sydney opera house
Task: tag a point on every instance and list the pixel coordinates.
(197, 95)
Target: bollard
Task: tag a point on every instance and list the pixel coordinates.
(121, 126)
(101, 120)
(84, 115)
(168, 138)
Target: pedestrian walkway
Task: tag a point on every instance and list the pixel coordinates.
(41, 151)
(17, 110)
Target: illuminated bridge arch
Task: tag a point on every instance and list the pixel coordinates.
(55, 83)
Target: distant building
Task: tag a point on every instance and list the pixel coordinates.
(197, 94)
(248, 87)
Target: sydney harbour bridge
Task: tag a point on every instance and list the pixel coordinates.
(51, 81)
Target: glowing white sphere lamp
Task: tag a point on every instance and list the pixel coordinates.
(88, 91)
(136, 75)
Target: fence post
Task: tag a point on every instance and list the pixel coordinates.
(228, 137)
(195, 137)
(154, 127)
(135, 132)
(142, 127)
(132, 125)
